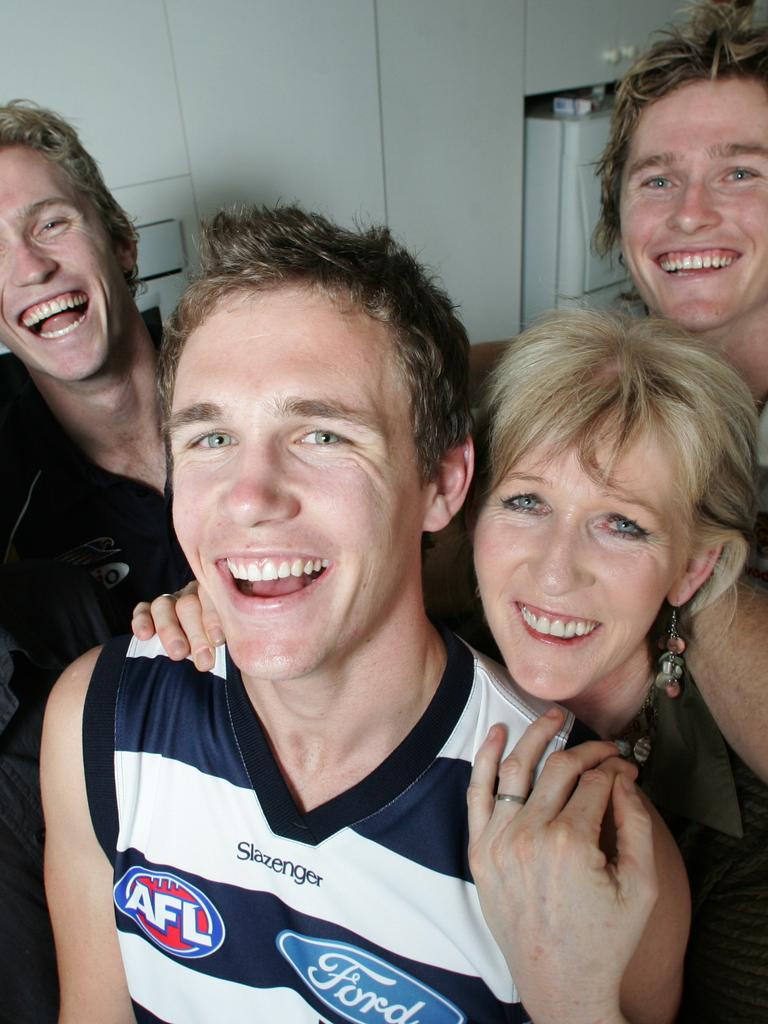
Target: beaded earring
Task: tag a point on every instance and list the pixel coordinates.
(671, 664)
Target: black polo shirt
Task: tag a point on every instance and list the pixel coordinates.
(56, 504)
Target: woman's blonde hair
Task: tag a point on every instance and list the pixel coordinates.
(600, 383)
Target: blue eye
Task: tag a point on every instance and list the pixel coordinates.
(322, 437)
(217, 440)
(522, 503)
(741, 174)
(626, 528)
(657, 182)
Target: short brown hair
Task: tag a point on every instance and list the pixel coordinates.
(719, 42)
(252, 249)
(592, 381)
(23, 123)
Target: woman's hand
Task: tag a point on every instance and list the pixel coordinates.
(184, 622)
(567, 918)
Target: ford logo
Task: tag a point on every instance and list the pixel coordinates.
(361, 987)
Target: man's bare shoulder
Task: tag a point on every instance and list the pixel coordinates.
(74, 680)
(65, 704)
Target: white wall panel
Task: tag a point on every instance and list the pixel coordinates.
(452, 109)
(106, 66)
(280, 101)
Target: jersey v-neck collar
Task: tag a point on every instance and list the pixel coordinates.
(392, 777)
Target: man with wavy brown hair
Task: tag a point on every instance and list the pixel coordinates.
(83, 473)
(683, 180)
(685, 205)
(82, 455)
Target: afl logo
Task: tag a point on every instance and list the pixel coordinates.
(176, 915)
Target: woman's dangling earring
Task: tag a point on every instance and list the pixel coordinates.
(671, 664)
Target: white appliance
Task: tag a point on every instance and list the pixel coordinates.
(560, 209)
(162, 262)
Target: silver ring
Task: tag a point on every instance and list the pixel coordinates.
(512, 798)
(172, 596)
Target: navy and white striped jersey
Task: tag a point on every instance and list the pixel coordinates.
(233, 905)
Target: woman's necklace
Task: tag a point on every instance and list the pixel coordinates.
(636, 742)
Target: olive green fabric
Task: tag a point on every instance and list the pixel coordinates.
(717, 810)
(689, 771)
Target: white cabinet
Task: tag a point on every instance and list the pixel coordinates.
(569, 45)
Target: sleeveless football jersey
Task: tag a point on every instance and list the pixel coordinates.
(233, 905)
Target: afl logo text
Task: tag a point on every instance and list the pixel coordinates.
(175, 914)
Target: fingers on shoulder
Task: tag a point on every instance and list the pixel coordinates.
(516, 770)
(141, 621)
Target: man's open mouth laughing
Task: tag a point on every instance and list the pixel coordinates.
(56, 317)
(706, 259)
(276, 576)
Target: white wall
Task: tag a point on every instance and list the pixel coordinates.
(408, 111)
(404, 111)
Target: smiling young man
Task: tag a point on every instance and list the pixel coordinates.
(285, 838)
(82, 455)
(685, 201)
(83, 469)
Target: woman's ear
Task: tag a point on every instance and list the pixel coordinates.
(696, 573)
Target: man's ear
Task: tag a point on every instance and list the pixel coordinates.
(696, 573)
(127, 251)
(448, 488)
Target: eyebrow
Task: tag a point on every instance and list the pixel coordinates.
(209, 412)
(725, 149)
(201, 412)
(41, 204)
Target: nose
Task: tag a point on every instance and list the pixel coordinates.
(695, 208)
(261, 488)
(31, 264)
(560, 564)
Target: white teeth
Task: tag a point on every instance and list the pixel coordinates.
(268, 569)
(59, 305)
(557, 627)
(694, 261)
(64, 330)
